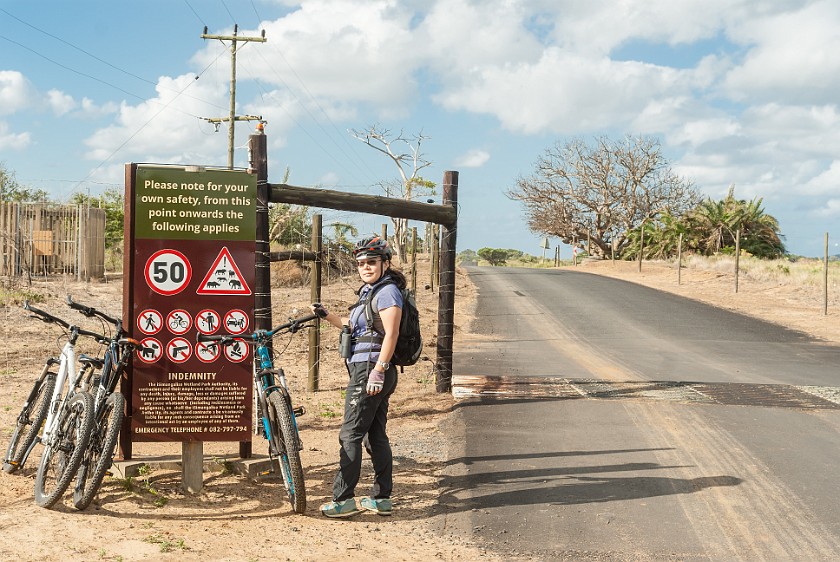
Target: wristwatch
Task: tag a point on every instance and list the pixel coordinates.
(385, 365)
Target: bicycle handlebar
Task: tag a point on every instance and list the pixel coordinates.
(292, 326)
(89, 311)
(50, 319)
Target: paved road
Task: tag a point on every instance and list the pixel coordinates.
(631, 424)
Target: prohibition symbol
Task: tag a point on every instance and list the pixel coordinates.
(179, 321)
(237, 351)
(207, 321)
(150, 351)
(168, 272)
(150, 321)
(236, 321)
(178, 350)
(208, 352)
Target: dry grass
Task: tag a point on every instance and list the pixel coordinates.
(805, 274)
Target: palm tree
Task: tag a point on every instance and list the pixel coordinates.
(713, 226)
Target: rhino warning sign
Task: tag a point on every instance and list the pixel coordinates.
(224, 277)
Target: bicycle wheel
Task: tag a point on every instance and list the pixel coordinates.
(100, 451)
(288, 454)
(29, 423)
(64, 450)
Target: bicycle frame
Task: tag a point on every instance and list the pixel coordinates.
(116, 357)
(67, 364)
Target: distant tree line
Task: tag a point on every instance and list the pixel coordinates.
(620, 198)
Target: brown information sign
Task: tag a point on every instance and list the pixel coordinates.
(192, 271)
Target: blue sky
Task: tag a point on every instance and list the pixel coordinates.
(739, 93)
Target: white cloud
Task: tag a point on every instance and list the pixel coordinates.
(829, 210)
(474, 158)
(826, 183)
(564, 92)
(166, 128)
(16, 92)
(13, 141)
(792, 58)
(335, 51)
(60, 102)
(89, 108)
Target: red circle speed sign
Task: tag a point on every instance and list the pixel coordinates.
(168, 272)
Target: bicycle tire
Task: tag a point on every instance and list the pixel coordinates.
(63, 454)
(288, 455)
(29, 424)
(100, 451)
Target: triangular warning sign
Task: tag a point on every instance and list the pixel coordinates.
(224, 277)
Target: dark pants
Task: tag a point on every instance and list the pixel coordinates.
(365, 415)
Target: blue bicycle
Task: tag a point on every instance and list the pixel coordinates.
(275, 404)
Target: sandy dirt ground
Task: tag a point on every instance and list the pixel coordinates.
(235, 517)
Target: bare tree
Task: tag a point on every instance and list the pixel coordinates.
(409, 163)
(601, 192)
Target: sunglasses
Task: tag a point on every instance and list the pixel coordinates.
(370, 262)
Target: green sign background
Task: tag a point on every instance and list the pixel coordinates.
(174, 204)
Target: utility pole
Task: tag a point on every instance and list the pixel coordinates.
(232, 117)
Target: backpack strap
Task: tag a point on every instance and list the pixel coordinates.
(372, 313)
(372, 335)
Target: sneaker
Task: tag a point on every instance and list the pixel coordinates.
(380, 506)
(344, 508)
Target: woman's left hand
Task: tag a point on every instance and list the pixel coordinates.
(376, 380)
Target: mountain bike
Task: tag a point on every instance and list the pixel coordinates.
(66, 419)
(279, 425)
(108, 407)
(30, 420)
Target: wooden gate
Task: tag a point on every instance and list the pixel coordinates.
(44, 239)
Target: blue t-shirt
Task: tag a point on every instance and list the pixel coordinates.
(386, 297)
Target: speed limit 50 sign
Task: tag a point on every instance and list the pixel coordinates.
(168, 272)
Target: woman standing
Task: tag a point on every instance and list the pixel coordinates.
(372, 380)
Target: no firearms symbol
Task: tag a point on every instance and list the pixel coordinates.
(224, 277)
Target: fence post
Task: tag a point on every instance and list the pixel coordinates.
(737, 256)
(679, 262)
(825, 278)
(433, 247)
(446, 295)
(641, 246)
(414, 260)
(315, 294)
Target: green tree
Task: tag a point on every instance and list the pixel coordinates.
(289, 224)
(340, 232)
(495, 256)
(113, 201)
(661, 240)
(713, 225)
(12, 190)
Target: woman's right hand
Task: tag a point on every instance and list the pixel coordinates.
(319, 310)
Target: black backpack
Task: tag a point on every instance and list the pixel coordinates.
(409, 342)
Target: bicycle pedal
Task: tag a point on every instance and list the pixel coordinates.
(299, 411)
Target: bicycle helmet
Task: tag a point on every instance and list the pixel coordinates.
(374, 246)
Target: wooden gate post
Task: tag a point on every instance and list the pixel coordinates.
(258, 162)
(446, 290)
(317, 247)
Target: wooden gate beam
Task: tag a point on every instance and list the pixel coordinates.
(370, 204)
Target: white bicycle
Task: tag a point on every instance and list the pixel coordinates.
(66, 421)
